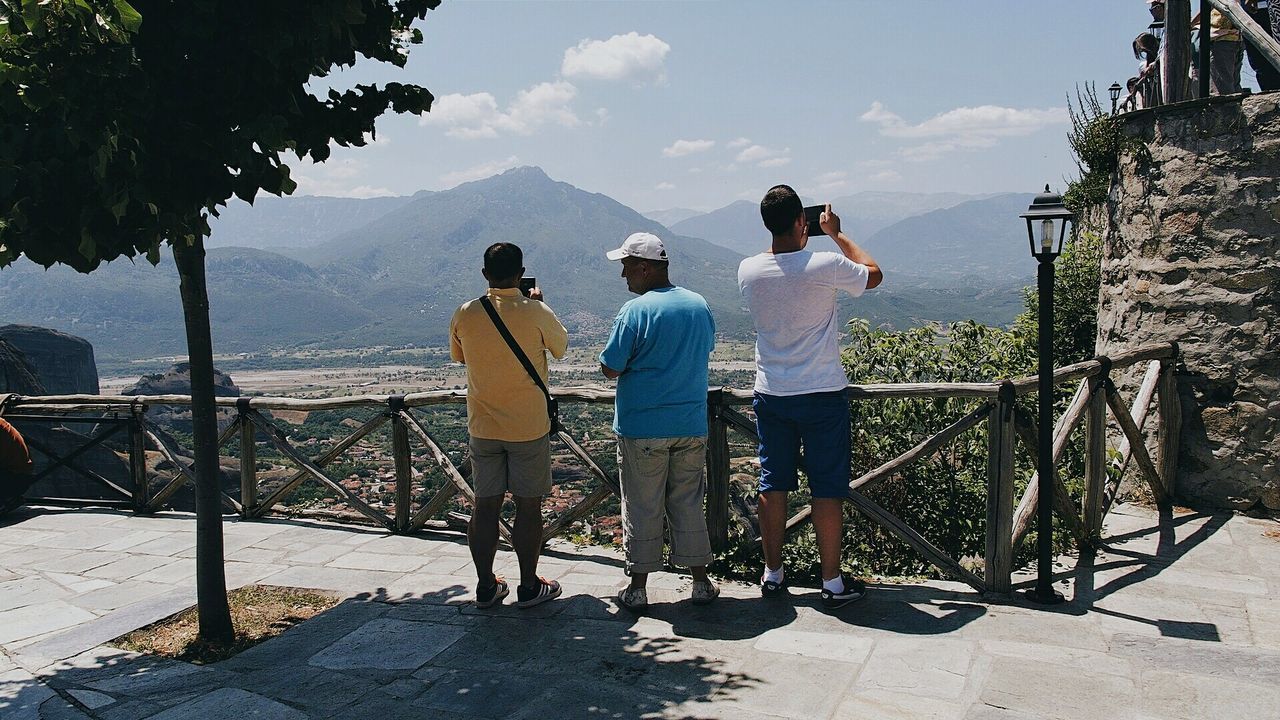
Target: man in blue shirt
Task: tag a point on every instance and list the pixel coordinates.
(658, 352)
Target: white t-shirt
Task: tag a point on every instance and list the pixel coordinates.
(792, 299)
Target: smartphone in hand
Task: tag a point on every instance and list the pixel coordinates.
(527, 284)
(812, 215)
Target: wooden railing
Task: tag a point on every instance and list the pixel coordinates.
(995, 403)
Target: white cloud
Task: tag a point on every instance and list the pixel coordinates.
(680, 148)
(664, 186)
(964, 128)
(740, 142)
(335, 178)
(831, 182)
(477, 115)
(372, 140)
(478, 172)
(926, 152)
(368, 191)
(763, 156)
(885, 177)
(620, 57)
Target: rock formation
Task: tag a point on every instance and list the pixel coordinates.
(16, 374)
(177, 381)
(1192, 254)
(63, 363)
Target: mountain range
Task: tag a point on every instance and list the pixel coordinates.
(738, 225)
(345, 273)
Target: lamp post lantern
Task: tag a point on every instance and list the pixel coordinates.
(1047, 220)
(1114, 90)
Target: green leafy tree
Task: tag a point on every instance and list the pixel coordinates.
(126, 124)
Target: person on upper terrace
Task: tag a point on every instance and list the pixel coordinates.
(1226, 54)
(1146, 49)
(1267, 15)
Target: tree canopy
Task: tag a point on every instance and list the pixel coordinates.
(127, 123)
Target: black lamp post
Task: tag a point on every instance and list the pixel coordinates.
(1047, 220)
(1114, 90)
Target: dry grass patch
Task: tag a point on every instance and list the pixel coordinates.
(258, 612)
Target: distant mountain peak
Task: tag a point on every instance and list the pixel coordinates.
(525, 171)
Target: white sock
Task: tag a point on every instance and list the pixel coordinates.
(773, 576)
(834, 585)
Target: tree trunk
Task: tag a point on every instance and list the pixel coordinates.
(211, 582)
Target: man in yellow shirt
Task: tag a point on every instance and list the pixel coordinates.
(508, 421)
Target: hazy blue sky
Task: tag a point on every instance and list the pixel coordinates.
(700, 103)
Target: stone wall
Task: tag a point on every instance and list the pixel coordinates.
(1192, 254)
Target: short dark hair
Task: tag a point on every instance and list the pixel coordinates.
(503, 260)
(780, 208)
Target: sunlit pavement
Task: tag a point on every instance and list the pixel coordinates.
(1176, 618)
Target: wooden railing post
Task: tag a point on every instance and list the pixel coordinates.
(248, 461)
(138, 458)
(997, 577)
(717, 501)
(1095, 455)
(404, 469)
(1170, 429)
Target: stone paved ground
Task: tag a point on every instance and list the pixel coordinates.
(1177, 619)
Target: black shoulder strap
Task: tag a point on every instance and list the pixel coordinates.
(511, 343)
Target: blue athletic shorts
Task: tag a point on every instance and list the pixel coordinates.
(816, 422)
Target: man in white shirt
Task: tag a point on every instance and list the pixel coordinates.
(800, 383)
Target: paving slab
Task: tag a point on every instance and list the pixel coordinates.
(132, 539)
(327, 578)
(484, 693)
(32, 620)
(387, 644)
(766, 684)
(926, 667)
(170, 544)
(844, 648)
(361, 560)
(875, 704)
(29, 589)
(1184, 696)
(230, 704)
(1200, 658)
(98, 631)
(75, 561)
(1044, 689)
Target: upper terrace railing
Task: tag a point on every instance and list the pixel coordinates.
(995, 403)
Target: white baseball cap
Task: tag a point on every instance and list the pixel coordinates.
(642, 245)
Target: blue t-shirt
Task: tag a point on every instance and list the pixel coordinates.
(660, 343)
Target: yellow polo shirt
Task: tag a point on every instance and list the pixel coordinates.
(503, 403)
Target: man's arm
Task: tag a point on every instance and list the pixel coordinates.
(831, 226)
(618, 348)
(455, 343)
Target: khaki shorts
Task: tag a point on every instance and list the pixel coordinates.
(520, 468)
(663, 478)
